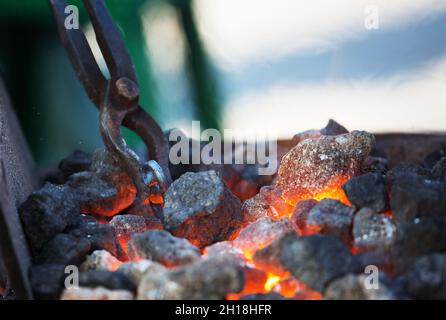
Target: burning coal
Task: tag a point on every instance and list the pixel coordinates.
(305, 233)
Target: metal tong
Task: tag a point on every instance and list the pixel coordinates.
(116, 98)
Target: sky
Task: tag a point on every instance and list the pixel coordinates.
(290, 65)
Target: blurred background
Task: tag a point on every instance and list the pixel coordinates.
(279, 65)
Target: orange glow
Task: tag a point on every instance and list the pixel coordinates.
(332, 191)
(271, 282)
(309, 230)
(280, 282)
(113, 266)
(258, 279)
(288, 286)
(108, 207)
(284, 283)
(123, 242)
(102, 220)
(389, 213)
(233, 296)
(156, 199)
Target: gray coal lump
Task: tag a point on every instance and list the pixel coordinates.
(127, 225)
(372, 230)
(100, 236)
(162, 247)
(439, 170)
(100, 260)
(206, 279)
(99, 293)
(47, 280)
(314, 164)
(255, 208)
(136, 270)
(315, 260)
(106, 279)
(201, 208)
(331, 129)
(64, 249)
(353, 287)
(368, 190)
(261, 233)
(416, 239)
(48, 212)
(330, 217)
(77, 161)
(426, 278)
(416, 197)
(300, 213)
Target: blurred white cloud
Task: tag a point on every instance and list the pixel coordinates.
(412, 102)
(241, 31)
(164, 38)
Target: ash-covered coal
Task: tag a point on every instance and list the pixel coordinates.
(314, 164)
(416, 239)
(48, 212)
(255, 208)
(334, 210)
(53, 209)
(106, 279)
(261, 233)
(101, 236)
(100, 260)
(206, 279)
(315, 260)
(77, 161)
(105, 168)
(439, 170)
(372, 231)
(354, 287)
(300, 213)
(416, 197)
(329, 216)
(125, 226)
(201, 208)
(426, 278)
(331, 129)
(162, 247)
(47, 280)
(136, 270)
(98, 293)
(64, 249)
(367, 190)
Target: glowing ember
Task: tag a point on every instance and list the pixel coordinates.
(108, 207)
(271, 282)
(333, 191)
(154, 198)
(282, 283)
(389, 213)
(327, 172)
(315, 166)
